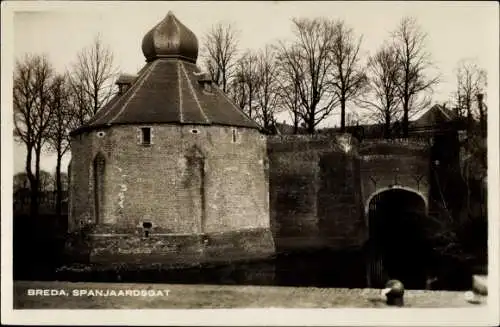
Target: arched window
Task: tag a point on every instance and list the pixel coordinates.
(99, 167)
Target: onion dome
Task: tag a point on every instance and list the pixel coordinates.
(170, 39)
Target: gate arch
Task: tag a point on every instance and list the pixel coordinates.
(397, 246)
(396, 187)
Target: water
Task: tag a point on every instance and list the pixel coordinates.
(314, 269)
(38, 255)
(289, 269)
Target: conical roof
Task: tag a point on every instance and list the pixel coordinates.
(170, 88)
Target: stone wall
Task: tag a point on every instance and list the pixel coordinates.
(84, 149)
(181, 250)
(386, 164)
(314, 192)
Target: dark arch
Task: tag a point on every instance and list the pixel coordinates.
(99, 171)
(397, 246)
(402, 188)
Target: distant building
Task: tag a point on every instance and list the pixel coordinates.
(437, 119)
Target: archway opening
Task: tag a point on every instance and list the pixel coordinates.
(99, 166)
(397, 246)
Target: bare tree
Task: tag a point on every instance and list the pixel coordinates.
(288, 90)
(471, 83)
(267, 90)
(220, 50)
(246, 82)
(32, 115)
(236, 88)
(92, 78)
(308, 59)
(63, 119)
(381, 99)
(348, 78)
(415, 86)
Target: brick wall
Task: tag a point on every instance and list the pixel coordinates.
(310, 191)
(314, 192)
(394, 163)
(191, 180)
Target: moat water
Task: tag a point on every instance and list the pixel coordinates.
(39, 256)
(311, 269)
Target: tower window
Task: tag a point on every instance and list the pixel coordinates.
(147, 228)
(235, 135)
(146, 135)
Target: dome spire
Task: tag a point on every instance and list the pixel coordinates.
(170, 39)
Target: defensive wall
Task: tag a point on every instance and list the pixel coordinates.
(320, 186)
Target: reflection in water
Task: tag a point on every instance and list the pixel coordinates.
(39, 257)
(317, 269)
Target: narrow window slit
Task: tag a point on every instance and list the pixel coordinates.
(146, 135)
(234, 135)
(147, 228)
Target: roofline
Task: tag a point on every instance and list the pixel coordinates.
(84, 129)
(172, 56)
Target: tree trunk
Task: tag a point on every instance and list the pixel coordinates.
(469, 121)
(35, 185)
(267, 125)
(250, 95)
(58, 186)
(295, 123)
(387, 125)
(342, 114)
(405, 119)
(310, 128)
(310, 123)
(96, 100)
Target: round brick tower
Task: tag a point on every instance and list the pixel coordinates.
(170, 170)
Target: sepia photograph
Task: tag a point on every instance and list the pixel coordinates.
(279, 157)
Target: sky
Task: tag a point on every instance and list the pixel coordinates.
(456, 30)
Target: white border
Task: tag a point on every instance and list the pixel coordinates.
(487, 315)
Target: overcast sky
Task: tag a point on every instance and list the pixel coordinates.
(456, 30)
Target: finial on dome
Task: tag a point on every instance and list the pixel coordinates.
(170, 39)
